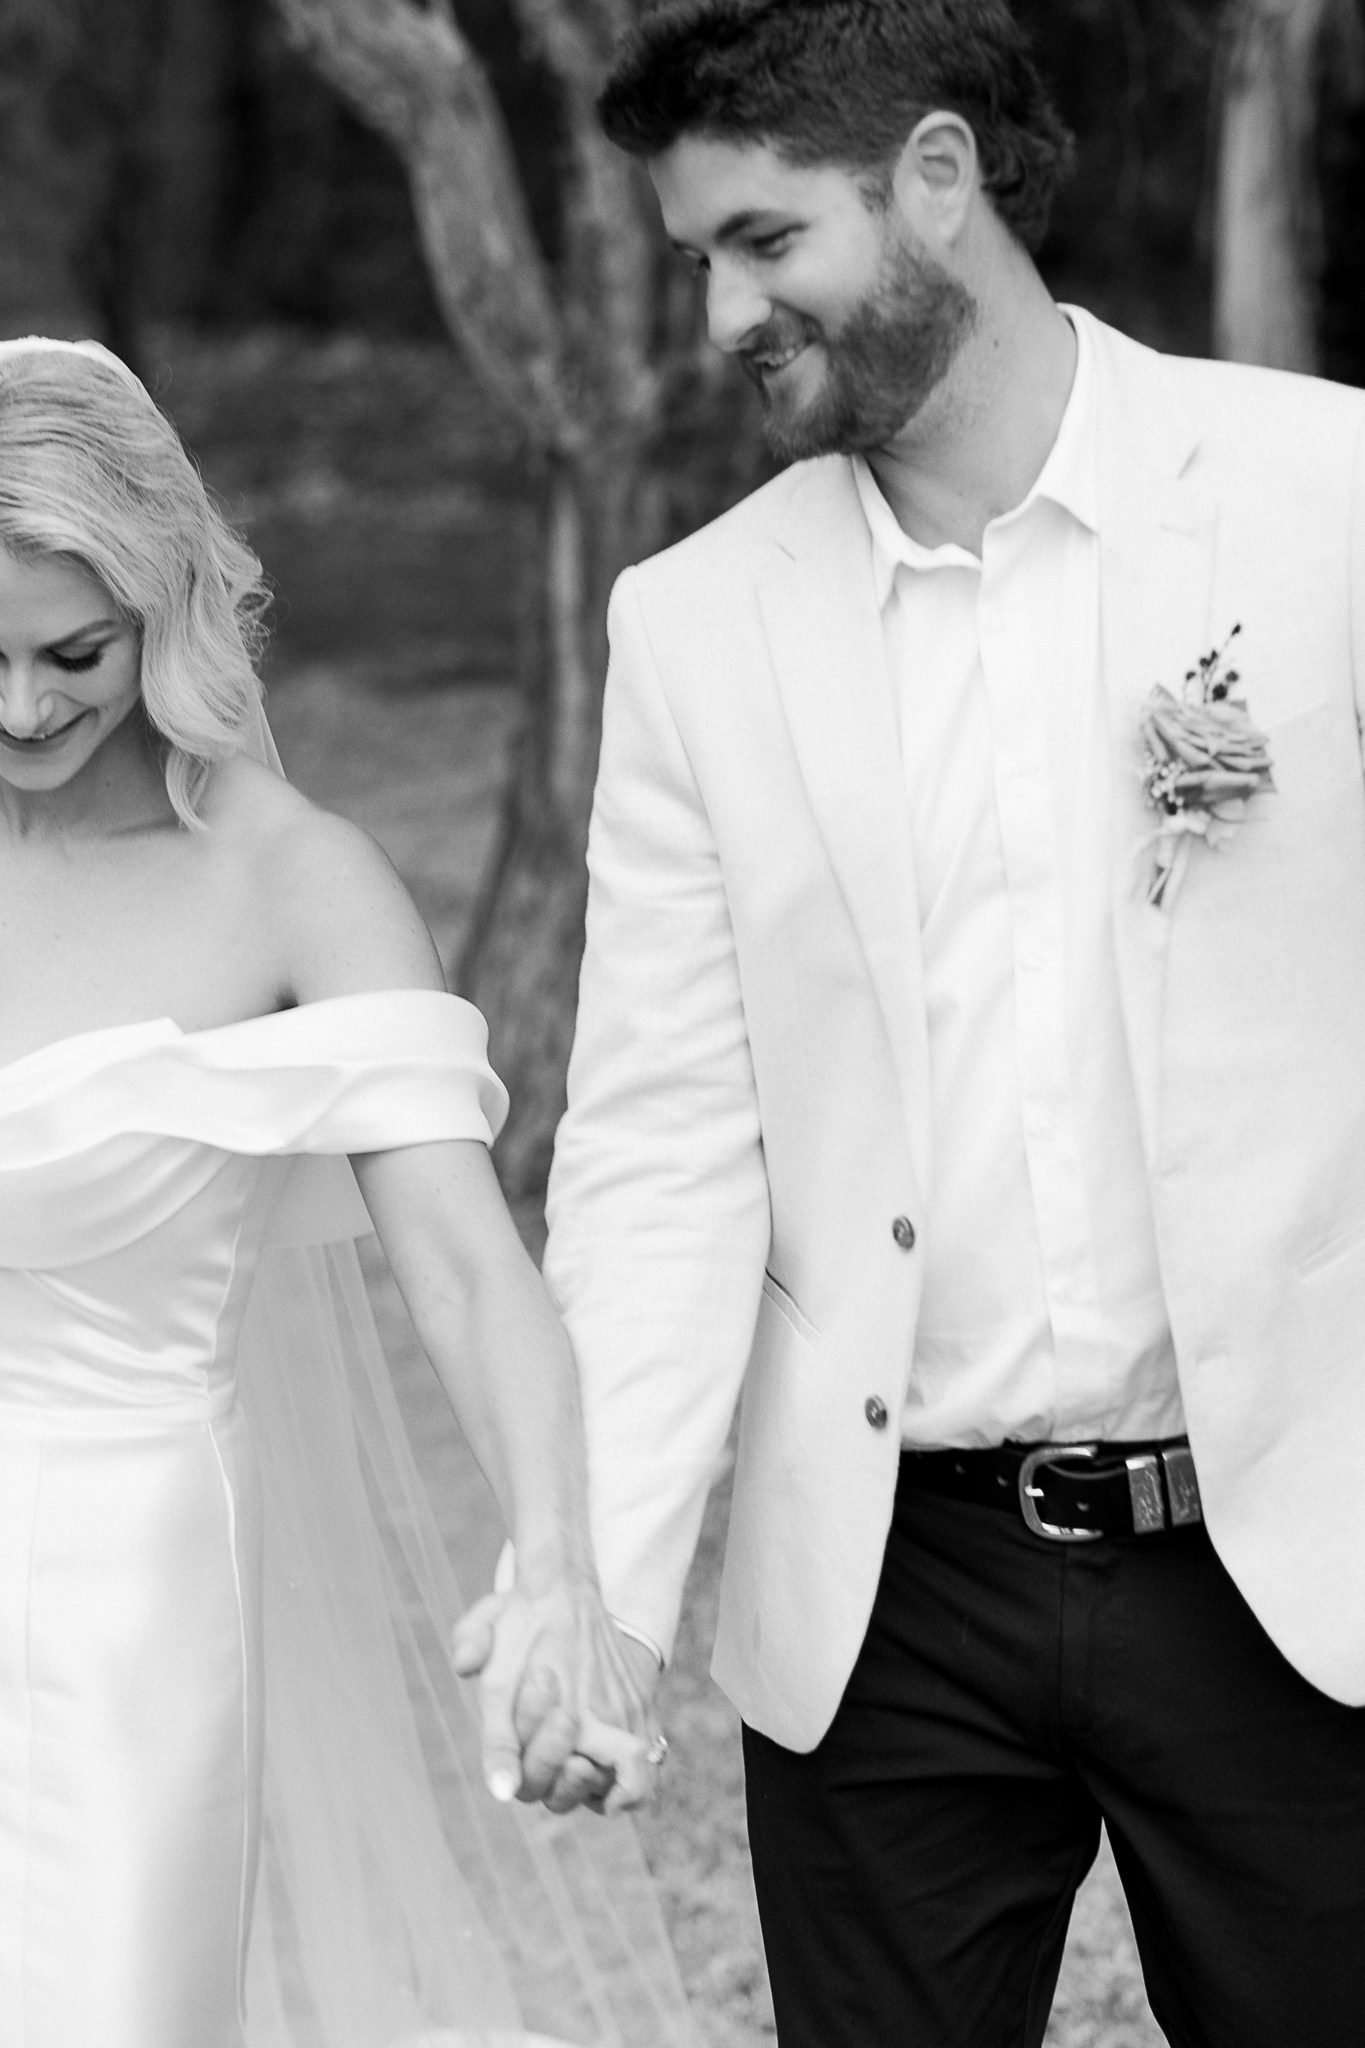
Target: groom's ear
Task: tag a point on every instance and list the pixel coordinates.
(936, 179)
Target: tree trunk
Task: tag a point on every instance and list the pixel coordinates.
(1267, 237)
(521, 958)
(594, 364)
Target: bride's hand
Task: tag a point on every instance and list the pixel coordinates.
(565, 1716)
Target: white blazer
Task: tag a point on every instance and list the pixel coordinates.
(749, 1092)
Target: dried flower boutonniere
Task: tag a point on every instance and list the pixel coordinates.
(1202, 762)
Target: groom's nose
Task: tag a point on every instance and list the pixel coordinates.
(735, 308)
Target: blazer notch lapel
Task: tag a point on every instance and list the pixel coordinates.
(824, 633)
(1157, 552)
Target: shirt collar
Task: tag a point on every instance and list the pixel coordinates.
(1067, 478)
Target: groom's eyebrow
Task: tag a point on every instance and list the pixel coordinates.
(731, 228)
(736, 224)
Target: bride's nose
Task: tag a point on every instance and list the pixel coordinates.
(26, 701)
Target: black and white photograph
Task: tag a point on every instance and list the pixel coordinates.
(682, 1023)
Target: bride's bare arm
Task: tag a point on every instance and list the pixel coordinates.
(554, 1677)
(556, 1672)
(486, 1323)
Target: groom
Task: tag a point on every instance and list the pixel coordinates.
(942, 1086)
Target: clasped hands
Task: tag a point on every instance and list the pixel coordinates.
(565, 1697)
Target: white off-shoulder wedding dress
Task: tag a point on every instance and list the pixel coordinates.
(210, 1642)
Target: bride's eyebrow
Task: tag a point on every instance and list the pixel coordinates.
(80, 633)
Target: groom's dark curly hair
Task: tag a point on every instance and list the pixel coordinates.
(844, 82)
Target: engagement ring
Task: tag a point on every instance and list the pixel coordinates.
(657, 1751)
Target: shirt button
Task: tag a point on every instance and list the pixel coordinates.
(874, 1408)
(903, 1230)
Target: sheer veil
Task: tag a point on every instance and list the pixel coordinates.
(396, 1905)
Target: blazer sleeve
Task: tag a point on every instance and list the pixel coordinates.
(1356, 571)
(658, 1203)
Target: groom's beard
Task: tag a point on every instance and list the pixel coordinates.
(892, 351)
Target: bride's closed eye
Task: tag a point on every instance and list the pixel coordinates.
(76, 664)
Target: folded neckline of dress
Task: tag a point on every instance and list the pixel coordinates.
(165, 1029)
(347, 1074)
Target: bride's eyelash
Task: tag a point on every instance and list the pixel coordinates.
(77, 664)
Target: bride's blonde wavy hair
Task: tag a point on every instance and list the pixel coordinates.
(92, 471)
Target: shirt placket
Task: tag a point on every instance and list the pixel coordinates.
(1009, 614)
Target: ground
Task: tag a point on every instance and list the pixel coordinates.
(389, 512)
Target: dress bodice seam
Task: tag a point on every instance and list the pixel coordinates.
(214, 1356)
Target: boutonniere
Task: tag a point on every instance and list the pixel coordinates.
(1202, 762)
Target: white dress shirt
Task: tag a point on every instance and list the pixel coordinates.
(1042, 1315)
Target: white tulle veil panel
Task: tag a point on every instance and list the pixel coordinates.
(396, 1902)
(398, 1906)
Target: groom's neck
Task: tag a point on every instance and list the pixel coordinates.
(979, 445)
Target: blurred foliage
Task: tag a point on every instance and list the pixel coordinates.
(1341, 171)
(302, 212)
(1130, 236)
(174, 159)
(77, 96)
(310, 219)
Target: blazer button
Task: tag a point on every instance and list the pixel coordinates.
(874, 1408)
(903, 1230)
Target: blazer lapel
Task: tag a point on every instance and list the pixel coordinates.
(824, 631)
(1157, 534)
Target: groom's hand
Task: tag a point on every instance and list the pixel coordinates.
(582, 1780)
(559, 1687)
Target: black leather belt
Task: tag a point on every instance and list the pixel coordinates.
(1071, 1493)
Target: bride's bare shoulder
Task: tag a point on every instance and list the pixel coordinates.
(242, 801)
(255, 818)
(340, 914)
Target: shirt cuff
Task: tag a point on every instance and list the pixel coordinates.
(637, 1635)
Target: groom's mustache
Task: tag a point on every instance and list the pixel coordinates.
(778, 337)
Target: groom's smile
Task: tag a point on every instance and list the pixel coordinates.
(843, 320)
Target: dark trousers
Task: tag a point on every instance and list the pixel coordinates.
(915, 1874)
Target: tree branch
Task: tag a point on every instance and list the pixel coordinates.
(613, 248)
(575, 37)
(411, 74)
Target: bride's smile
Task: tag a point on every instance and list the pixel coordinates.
(70, 670)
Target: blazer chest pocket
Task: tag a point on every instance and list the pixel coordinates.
(778, 1299)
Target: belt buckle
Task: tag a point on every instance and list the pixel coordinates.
(1048, 1454)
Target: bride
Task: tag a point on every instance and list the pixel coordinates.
(234, 1790)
